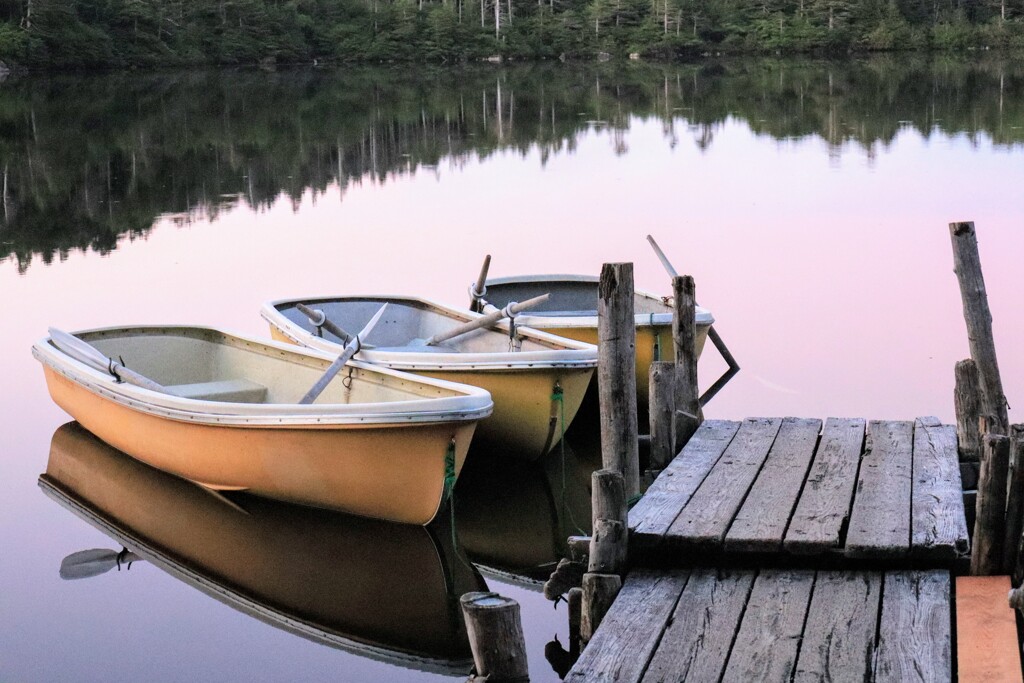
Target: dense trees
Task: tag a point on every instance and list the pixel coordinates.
(120, 33)
(86, 161)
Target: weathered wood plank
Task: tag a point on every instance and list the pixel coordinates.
(761, 522)
(914, 631)
(767, 642)
(651, 517)
(880, 520)
(696, 643)
(938, 522)
(839, 636)
(824, 506)
(986, 631)
(629, 633)
(706, 518)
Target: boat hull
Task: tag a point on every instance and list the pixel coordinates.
(394, 472)
(653, 343)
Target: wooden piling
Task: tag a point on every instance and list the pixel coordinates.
(1014, 559)
(575, 604)
(608, 547)
(967, 264)
(662, 408)
(990, 509)
(684, 334)
(608, 496)
(966, 401)
(496, 637)
(616, 373)
(599, 591)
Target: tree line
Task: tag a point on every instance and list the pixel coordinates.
(88, 161)
(63, 34)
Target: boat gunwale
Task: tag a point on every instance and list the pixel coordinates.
(468, 404)
(573, 354)
(165, 560)
(588, 318)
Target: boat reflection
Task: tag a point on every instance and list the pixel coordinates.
(380, 590)
(513, 518)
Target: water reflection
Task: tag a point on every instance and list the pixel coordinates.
(87, 161)
(380, 590)
(513, 518)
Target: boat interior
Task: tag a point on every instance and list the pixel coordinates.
(222, 367)
(406, 324)
(568, 297)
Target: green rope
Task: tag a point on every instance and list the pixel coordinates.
(657, 340)
(634, 500)
(449, 470)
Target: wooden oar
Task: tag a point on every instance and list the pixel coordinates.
(320, 319)
(509, 311)
(479, 288)
(350, 350)
(85, 352)
(664, 259)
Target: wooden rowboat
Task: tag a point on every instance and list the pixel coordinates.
(537, 380)
(571, 312)
(380, 590)
(377, 443)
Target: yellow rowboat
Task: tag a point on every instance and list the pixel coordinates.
(382, 591)
(376, 443)
(571, 312)
(537, 380)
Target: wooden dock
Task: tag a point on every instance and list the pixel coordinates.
(884, 492)
(789, 549)
(707, 624)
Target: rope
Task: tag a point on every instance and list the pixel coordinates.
(634, 500)
(449, 496)
(657, 339)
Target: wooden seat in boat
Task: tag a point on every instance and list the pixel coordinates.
(229, 390)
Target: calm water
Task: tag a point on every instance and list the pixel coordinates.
(809, 199)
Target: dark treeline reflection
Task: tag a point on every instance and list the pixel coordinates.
(86, 160)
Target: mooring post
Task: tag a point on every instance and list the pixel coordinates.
(1015, 505)
(599, 591)
(608, 496)
(616, 373)
(990, 509)
(968, 410)
(967, 265)
(495, 635)
(662, 409)
(575, 600)
(684, 336)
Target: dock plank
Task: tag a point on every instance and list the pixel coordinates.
(706, 518)
(824, 506)
(630, 632)
(880, 520)
(761, 523)
(769, 636)
(914, 631)
(651, 517)
(986, 631)
(696, 643)
(939, 525)
(839, 635)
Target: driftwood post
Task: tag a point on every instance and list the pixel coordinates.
(684, 334)
(616, 373)
(662, 408)
(968, 410)
(599, 591)
(495, 637)
(990, 509)
(1015, 506)
(967, 264)
(609, 542)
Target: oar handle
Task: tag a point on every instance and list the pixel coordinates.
(479, 288)
(351, 349)
(664, 259)
(320, 319)
(509, 311)
(86, 353)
